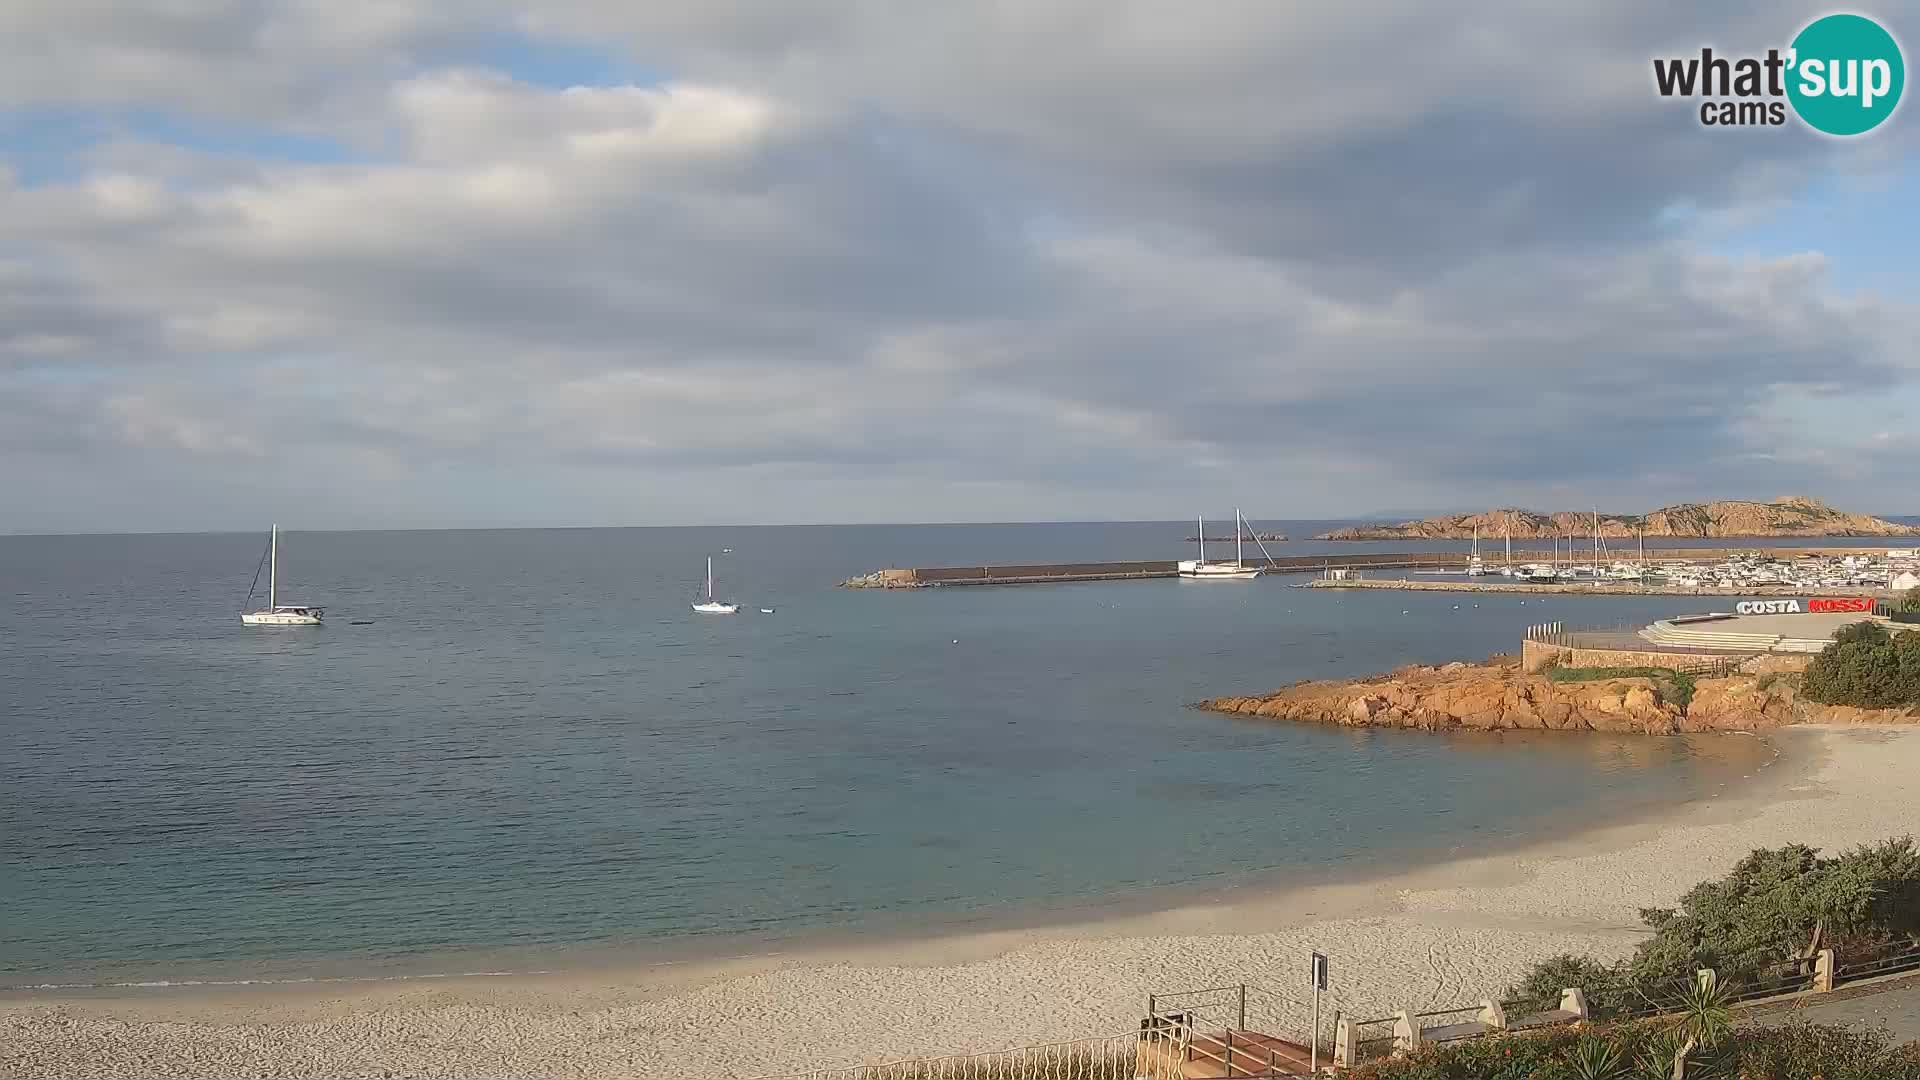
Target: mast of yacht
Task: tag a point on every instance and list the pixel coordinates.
(1200, 537)
(273, 569)
(709, 577)
(1509, 542)
(1237, 533)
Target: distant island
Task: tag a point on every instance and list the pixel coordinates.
(1789, 515)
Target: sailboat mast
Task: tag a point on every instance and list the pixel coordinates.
(709, 577)
(1237, 531)
(273, 569)
(1200, 536)
(1509, 543)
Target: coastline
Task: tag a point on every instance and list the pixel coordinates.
(1439, 934)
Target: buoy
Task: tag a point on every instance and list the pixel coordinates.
(956, 641)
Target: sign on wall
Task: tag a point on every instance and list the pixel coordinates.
(1815, 605)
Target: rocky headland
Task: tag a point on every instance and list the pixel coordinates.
(1500, 697)
(1790, 515)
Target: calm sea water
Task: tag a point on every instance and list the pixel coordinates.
(534, 745)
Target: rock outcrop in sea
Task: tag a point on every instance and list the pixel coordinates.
(1790, 515)
(1499, 697)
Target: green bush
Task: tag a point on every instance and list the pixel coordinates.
(1760, 915)
(1911, 601)
(1674, 686)
(1796, 1051)
(1868, 667)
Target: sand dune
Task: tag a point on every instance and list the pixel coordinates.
(1445, 934)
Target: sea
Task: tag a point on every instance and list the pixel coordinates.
(516, 749)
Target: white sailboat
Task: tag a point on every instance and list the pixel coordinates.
(1476, 567)
(711, 606)
(1202, 570)
(276, 613)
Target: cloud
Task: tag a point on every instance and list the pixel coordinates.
(977, 261)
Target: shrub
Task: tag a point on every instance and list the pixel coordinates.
(1761, 914)
(1675, 686)
(1911, 601)
(1797, 1051)
(1868, 667)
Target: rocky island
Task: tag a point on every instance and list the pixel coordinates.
(1791, 515)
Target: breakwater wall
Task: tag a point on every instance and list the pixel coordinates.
(1044, 573)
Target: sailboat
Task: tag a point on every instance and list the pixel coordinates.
(1202, 570)
(711, 606)
(276, 613)
(1475, 567)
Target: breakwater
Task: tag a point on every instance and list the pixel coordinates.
(1048, 573)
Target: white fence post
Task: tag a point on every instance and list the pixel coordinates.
(1573, 1000)
(1823, 971)
(1346, 1043)
(1406, 1032)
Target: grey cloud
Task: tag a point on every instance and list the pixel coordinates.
(1105, 258)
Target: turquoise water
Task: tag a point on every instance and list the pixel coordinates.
(534, 747)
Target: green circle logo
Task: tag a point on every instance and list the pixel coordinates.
(1847, 74)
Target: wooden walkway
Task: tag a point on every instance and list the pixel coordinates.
(1228, 1055)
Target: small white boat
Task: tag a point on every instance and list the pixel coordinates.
(276, 613)
(766, 611)
(1202, 570)
(711, 606)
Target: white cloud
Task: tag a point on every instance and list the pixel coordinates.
(1099, 257)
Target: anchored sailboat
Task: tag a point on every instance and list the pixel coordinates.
(276, 613)
(711, 606)
(1237, 570)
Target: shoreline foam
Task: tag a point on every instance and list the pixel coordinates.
(1436, 935)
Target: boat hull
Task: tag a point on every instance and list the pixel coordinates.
(711, 608)
(279, 618)
(1215, 572)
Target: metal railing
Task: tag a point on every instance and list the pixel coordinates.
(1905, 957)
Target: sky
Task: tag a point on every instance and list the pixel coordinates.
(423, 264)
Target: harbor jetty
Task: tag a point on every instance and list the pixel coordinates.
(1048, 573)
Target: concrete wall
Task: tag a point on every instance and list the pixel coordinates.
(1535, 656)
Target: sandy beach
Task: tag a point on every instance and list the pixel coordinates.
(1445, 934)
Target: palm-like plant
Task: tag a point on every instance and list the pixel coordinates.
(1598, 1059)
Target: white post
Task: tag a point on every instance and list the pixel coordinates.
(1494, 1015)
(1406, 1031)
(1346, 1043)
(1823, 971)
(1574, 1000)
(273, 568)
